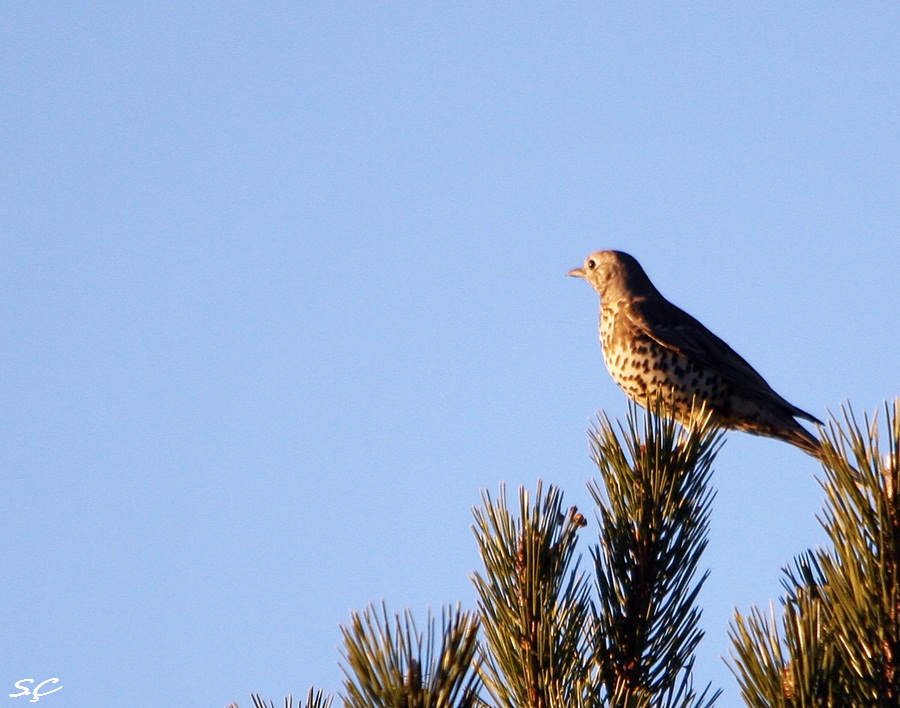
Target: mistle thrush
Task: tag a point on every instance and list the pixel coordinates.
(654, 349)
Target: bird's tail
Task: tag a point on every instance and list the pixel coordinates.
(802, 438)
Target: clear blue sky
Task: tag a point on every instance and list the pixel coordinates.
(283, 289)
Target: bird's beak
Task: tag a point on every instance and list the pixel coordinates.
(577, 273)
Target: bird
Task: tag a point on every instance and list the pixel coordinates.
(654, 349)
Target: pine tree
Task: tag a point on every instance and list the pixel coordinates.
(654, 500)
(838, 643)
(533, 601)
(547, 633)
(547, 641)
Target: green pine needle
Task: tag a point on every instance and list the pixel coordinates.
(654, 503)
(839, 640)
(391, 664)
(533, 601)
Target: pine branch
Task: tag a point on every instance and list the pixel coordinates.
(799, 669)
(861, 574)
(533, 601)
(390, 664)
(841, 624)
(314, 699)
(654, 503)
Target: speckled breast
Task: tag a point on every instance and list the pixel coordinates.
(643, 368)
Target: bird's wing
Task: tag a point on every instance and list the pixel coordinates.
(676, 330)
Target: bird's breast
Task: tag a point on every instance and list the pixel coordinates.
(642, 367)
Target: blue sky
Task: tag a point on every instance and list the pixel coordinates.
(283, 289)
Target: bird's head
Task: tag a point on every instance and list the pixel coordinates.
(614, 272)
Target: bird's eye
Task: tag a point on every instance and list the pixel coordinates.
(591, 264)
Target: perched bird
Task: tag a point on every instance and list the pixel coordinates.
(654, 349)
